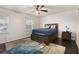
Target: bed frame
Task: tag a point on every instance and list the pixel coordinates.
(49, 39)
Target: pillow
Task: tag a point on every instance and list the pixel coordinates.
(49, 27)
(46, 26)
(53, 27)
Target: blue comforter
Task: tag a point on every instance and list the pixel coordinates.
(44, 31)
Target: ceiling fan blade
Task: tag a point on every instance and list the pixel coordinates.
(37, 7)
(44, 10)
(42, 6)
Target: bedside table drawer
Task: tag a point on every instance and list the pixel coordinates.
(66, 35)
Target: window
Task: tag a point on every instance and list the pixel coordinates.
(29, 24)
(3, 24)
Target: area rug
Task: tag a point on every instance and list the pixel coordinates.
(32, 47)
(50, 49)
(53, 49)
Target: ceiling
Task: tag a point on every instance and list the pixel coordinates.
(30, 9)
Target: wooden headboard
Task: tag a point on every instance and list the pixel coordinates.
(55, 24)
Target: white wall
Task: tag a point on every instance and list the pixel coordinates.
(16, 25)
(36, 23)
(77, 26)
(66, 18)
(17, 29)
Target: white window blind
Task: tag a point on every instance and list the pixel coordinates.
(3, 24)
(29, 24)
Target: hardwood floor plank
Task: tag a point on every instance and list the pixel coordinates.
(71, 47)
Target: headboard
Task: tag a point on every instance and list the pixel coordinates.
(50, 25)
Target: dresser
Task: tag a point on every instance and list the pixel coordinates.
(66, 35)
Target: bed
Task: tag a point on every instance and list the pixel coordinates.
(48, 34)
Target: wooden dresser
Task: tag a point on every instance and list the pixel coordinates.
(66, 35)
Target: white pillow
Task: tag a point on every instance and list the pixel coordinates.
(46, 26)
(53, 27)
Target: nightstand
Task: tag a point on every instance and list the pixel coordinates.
(66, 35)
(2, 48)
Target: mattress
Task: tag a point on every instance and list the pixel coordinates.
(44, 31)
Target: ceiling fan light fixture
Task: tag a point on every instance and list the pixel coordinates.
(40, 9)
(38, 12)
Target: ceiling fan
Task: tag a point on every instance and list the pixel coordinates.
(40, 8)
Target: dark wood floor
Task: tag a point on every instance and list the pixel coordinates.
(71, 47)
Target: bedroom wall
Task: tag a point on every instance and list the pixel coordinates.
(37, 21)
(77, 26)
(16, 25)
(66, 18)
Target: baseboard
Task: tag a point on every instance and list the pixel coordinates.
(16, 40)
(25, 38)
